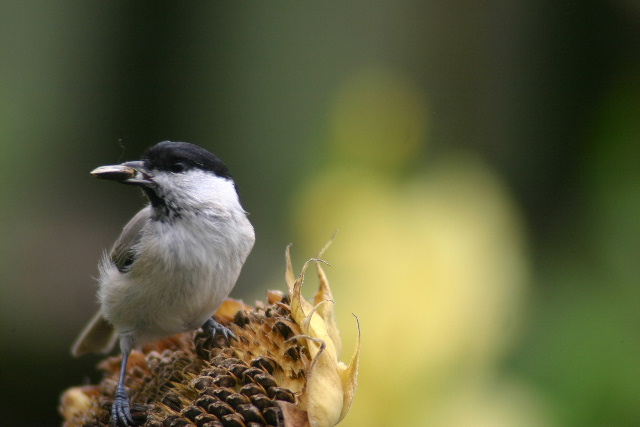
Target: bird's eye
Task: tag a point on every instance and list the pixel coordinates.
(178, 167)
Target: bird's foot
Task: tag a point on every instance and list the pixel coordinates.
(214, 328)
(120, 412)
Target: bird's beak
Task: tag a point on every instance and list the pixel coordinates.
(132, 173)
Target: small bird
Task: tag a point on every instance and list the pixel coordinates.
(175, 261)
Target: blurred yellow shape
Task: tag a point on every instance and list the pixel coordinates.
(434, 264)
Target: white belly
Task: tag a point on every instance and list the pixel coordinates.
(175, 292)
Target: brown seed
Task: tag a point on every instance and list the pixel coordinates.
(262, 402)
(191, 412)
(202, 382)
(181, 423)
(238, 370)
(265, 363)
(265, 380)
(228, 361)
(284, 329)
(223, 393)
(217, 361)
(224, 381)
(214, 372)
(233, 420)
(250, 414)
(172, 400)
(220, 409)
(236, 399)
(241, 318)
(251, 389)
(175, 421)
(201, 350)
(205, 401)
(279, 393)
(273, 416)
(114, 172)
(139, 413)
(204, 419)
(250, 373)
(293, 353)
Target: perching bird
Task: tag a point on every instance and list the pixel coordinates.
(175, 261)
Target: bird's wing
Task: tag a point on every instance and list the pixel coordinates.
(123, 253)
(97, 337)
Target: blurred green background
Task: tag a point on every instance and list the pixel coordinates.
(479, 159)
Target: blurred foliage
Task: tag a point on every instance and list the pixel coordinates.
(581, 344)
(480, 161)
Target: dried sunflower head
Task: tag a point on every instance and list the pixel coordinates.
(283, 369)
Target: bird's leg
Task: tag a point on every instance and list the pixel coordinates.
(212, 327)
(120, 413)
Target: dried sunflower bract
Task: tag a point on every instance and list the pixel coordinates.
(283, 370)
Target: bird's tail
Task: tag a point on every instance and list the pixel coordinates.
(98, 336)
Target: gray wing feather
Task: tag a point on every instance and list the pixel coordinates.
(122, 253)
(99, 335)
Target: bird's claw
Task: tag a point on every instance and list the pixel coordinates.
(120, 412)
(212, 327)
